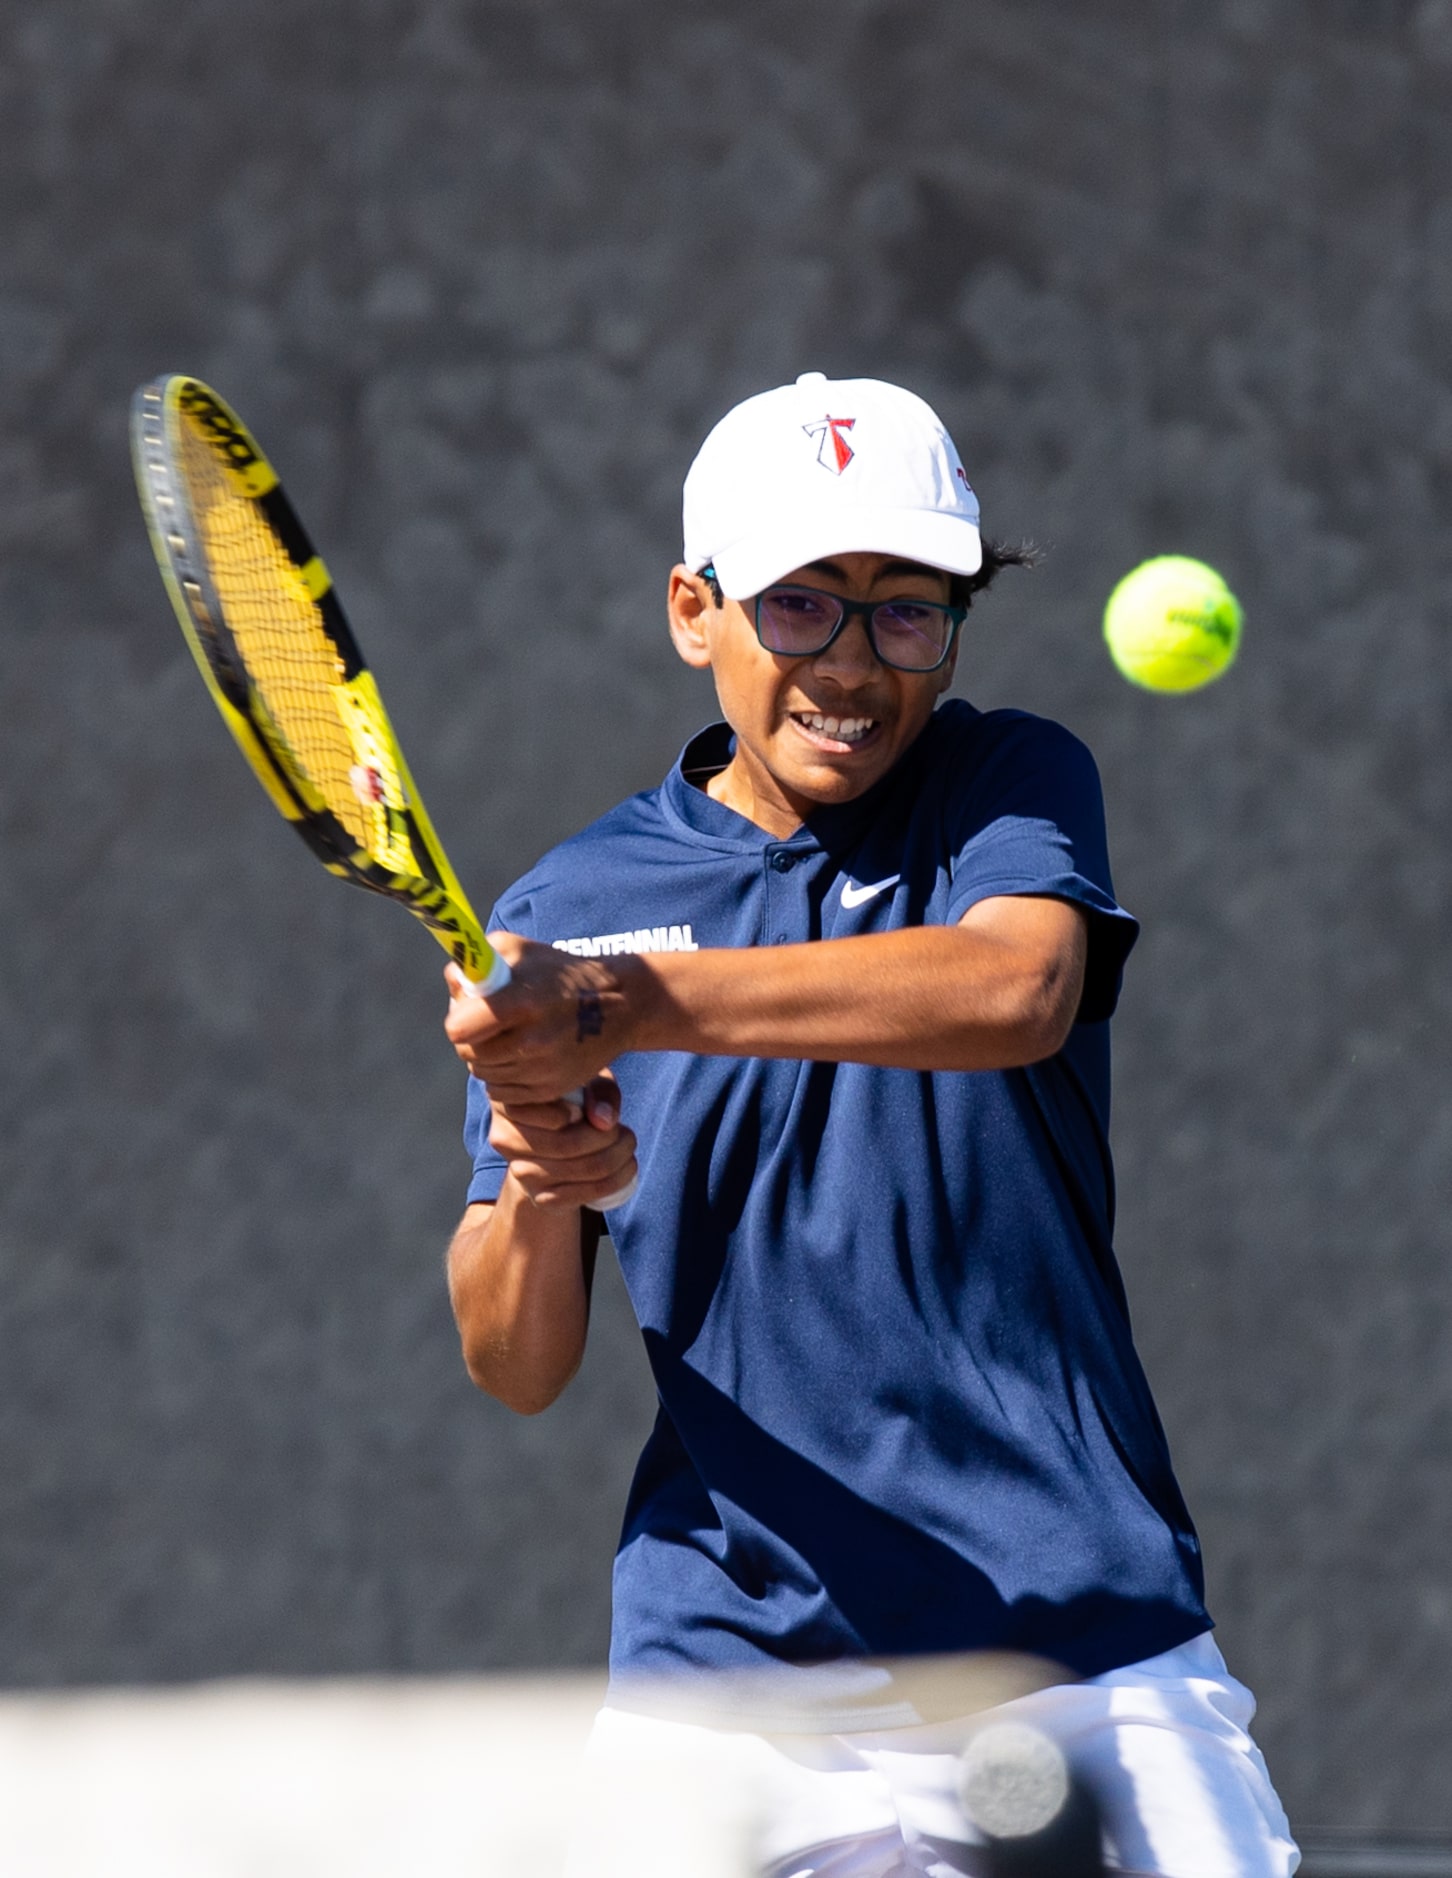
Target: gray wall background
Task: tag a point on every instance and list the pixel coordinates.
(481, 275)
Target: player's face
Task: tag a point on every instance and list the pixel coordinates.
(817, 729)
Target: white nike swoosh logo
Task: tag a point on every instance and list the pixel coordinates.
(853, 895)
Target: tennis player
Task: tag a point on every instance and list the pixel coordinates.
(853, 965)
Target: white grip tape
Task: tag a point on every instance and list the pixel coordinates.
(495, 979)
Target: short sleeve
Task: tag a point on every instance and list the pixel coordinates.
(1029, 819)
(490, 1168)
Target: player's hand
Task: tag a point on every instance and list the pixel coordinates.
(559, 1156)
(558, 1021)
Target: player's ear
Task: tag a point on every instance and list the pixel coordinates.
(689, 606)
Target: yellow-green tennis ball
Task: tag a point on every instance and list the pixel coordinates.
(1172, 624)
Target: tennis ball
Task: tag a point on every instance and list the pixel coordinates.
(1172, 624)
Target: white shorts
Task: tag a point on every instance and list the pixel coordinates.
(1163, 1743)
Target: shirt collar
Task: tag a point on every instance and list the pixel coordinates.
(834, 828)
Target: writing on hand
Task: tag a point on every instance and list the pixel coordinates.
(589, 1016)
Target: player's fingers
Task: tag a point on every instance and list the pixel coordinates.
(544, 1118)
(509, 945)
(584, 1151)
(555, 1138)
(542, 1134)
(502, 1049)
(515, 1080)
(553, 1185)
(547, 1193)
(474, 1018)
(622, 1173)
(517, 1084)
(602, 1101)
(471, 1021)
(462, 987)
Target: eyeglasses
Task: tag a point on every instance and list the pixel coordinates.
(909, 635)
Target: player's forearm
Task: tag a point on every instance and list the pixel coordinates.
(519, 1285)
(931, 998)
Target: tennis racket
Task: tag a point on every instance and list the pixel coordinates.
(259, 612)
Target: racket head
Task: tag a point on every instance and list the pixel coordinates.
(258, 609)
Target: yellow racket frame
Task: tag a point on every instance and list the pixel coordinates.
(206, 484)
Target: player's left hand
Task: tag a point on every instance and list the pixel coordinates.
(553, 1026)
(562, 1157)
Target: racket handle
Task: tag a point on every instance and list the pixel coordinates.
(495, 979)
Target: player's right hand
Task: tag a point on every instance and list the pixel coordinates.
(560, 1157)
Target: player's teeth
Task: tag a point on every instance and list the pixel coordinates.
(845, 728)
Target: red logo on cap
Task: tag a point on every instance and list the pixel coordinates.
(842, 451)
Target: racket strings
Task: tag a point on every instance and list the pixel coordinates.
(278, 629)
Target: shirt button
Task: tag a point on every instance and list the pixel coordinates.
(782, 862)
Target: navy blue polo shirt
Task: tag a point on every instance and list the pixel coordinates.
(900, 1408)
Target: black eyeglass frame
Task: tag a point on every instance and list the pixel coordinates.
(869, 610)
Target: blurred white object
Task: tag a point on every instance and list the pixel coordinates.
(438, 1779)
(681, 1805)
(1013, 1780)
(302, 1780)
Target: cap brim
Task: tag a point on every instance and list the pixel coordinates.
(949, 542)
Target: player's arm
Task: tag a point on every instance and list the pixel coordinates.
(998, 990)
(520, 1270)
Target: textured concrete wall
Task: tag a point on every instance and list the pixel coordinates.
(481, 275)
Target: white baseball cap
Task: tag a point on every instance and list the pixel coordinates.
(827, 466)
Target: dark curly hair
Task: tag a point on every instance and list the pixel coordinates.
(996, 556)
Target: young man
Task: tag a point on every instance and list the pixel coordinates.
(853, 965)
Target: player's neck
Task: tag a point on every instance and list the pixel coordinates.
(770, 808)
